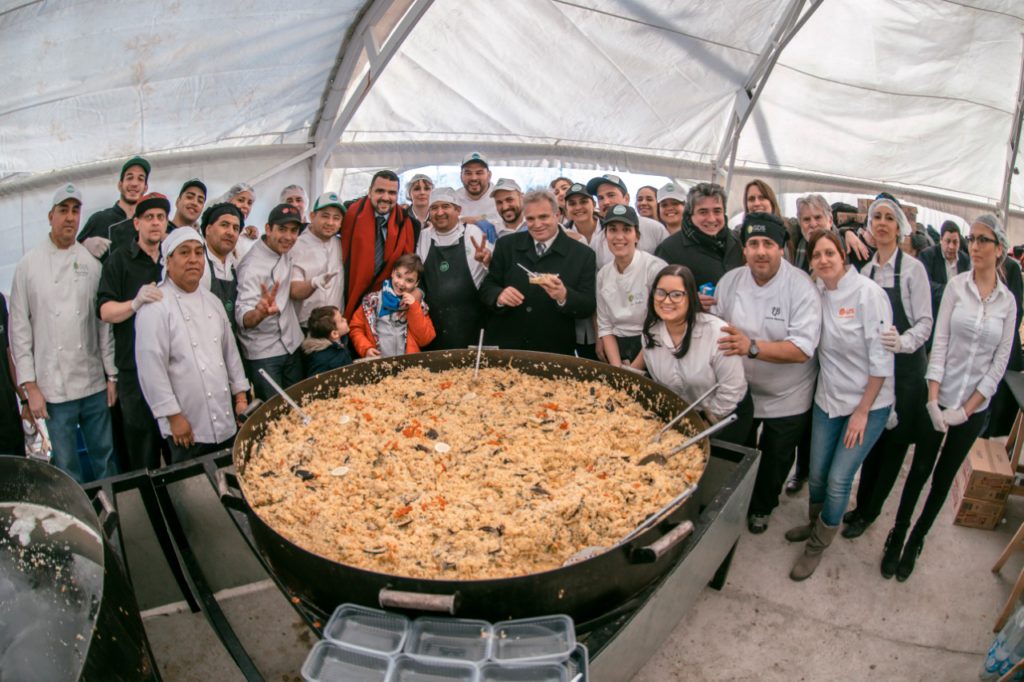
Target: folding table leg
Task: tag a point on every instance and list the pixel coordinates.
(1011, 603)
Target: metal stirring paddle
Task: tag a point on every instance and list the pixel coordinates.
(656, 438)
(661, 459)
(306, 419)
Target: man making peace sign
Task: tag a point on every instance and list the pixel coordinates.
(455, 259)
(268, 326)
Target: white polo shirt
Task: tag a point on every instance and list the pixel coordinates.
(787, 308)
(853, 315)
(312, 256)
(622, 296)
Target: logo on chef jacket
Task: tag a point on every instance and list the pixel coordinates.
(775, 314)
(847, 313)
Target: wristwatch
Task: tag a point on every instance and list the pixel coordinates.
(754, 350)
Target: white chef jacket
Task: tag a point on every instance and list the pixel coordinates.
(853, 315)
(244, 245)
(56, 338)
(972, 341)
(188, 362)
(472, 232)
(312, 256)
(484, 206)
(702, 366)
(787, 308)
(652, 233)
(277, 334)
(915, 293)
(220, 270)
(622, 296)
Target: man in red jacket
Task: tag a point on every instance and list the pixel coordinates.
(375, 232)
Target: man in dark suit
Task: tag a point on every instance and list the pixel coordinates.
(542, 315)
(944, 261)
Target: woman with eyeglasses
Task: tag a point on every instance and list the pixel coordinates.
(970, 350)
(681, 352)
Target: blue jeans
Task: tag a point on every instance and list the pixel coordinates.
(833, 465)
(92, 415)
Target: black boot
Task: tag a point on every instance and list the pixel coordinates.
(912, 550)
(893, 548)
(855, 525)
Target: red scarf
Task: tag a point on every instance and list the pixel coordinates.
(358, 237)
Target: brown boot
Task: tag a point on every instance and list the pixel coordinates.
(821, 537)
(801, 533)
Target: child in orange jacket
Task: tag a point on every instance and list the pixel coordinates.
(392, 321)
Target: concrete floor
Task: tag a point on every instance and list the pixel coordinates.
(846, 622)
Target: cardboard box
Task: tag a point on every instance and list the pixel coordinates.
(979, 513)
(986, 473)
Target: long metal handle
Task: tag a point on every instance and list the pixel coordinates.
(703, 434)
(695, 403)
(284, 396)
(657, 516)
(661, 546)
(247, 412)
(417, 601)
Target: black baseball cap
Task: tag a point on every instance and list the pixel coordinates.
(606, 179)
(620, 213)
(194, 182)
(282, 214)
(152, 200)
(579, 189)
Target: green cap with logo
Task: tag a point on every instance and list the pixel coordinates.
(328, 199)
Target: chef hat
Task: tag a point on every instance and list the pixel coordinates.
(177, 237)
(444, 195)
(893, 205)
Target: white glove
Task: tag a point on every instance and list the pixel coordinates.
(97, 246)
(890, 339)
(322, 281)
(149, 293)
(954, 416)
(935, 414)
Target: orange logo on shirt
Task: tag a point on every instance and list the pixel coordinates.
(848, 312)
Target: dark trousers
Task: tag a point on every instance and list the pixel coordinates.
(778, 442)
(180, 454)
(879, 472)
(739, 430)
(803, 456)
(940, 460)
(141, 433)
(285, 370)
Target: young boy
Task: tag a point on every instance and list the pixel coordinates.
(324, 346)
(391, 321)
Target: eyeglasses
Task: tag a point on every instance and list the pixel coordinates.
(676, 296)
(971, 239)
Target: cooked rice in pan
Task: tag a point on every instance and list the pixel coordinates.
(437, 475)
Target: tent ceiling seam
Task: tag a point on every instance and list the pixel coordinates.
(984, 9)
(655, 26)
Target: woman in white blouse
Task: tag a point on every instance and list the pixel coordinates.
(973, 335)
(853, 397)
(681, 352)
(905, 282)
(622, 286)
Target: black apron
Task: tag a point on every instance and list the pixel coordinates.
(909, 368)
(452, 296)
(227, 291)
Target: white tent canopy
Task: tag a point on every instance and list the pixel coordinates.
(921, 97)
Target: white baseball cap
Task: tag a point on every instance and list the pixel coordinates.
(444, 194)
(65, 192)
(672, 191)
(506, 185)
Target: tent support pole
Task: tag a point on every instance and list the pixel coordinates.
(283, 166)
(1014, 146)
(342, 102)
(746, 98)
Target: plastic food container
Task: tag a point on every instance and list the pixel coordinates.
(549, 638)
(406, 668)
(523, 672)
(367, 629)
(579, 662)
(329, 662)
(459, 639)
